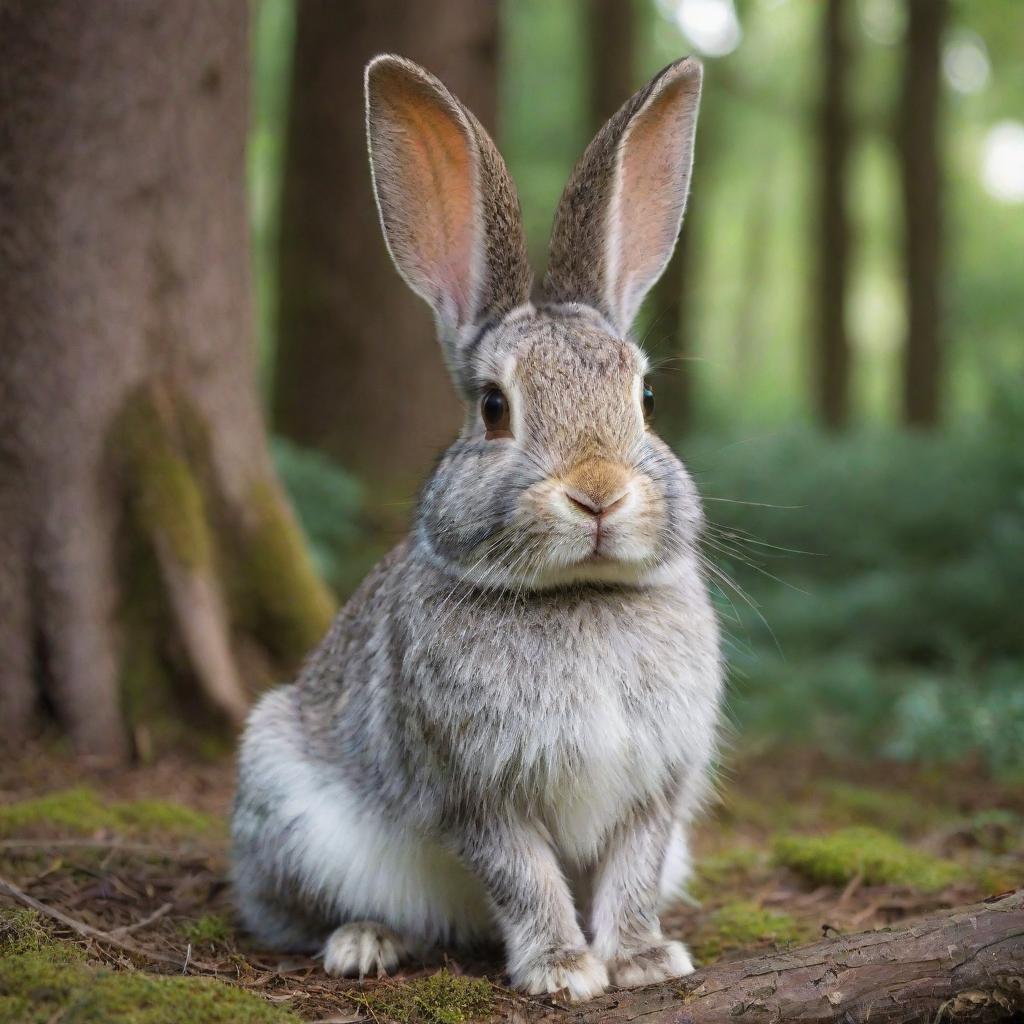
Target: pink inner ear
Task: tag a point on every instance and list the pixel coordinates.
(425, 167)
(654, 173)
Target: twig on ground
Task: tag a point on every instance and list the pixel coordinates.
(126, 929)
(851, 887)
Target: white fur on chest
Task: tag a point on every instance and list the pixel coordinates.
(620, 763)
(590, 716)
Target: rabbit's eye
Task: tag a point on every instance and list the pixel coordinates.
(648, 402)
(495, 412)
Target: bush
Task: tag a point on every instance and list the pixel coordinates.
(881, 578)
(329, 503)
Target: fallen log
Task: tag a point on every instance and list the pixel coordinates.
(960, 965)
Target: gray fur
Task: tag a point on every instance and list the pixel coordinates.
(508, 727)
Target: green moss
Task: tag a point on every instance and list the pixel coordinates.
(291, 603)
(210, 929)
(441, 998)
(22, 934)
(36, 989)
(162, 816)
(741, 925)
(171, 503)
(158, 454)
(879, 858)
(165, 496)
(82, 811)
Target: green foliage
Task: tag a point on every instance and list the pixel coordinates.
(80, 811)
(877, 857)
(441, 998)
(886, 571)
(544, 55)
(743, 924)
(329, 502)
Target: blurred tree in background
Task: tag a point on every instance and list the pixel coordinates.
(833, 356)
(918, 135)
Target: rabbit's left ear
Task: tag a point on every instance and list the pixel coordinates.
(448, 208)
(618, 219)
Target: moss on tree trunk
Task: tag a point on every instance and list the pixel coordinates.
(216, 599)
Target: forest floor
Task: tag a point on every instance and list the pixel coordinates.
(132, 923)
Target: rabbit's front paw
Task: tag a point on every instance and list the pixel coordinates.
(576, 971)
(362, 948)
(653, 964)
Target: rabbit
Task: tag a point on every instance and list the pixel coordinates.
(507, 730)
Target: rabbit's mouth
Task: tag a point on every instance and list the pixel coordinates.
(603, 537)
(605, 526)
(605, 553)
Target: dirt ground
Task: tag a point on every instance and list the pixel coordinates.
(797, 846)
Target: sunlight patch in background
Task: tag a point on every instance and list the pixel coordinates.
(1002, 162)
(883, 21)
(710, 25)
(965, 63)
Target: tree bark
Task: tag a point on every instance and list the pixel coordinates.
(921, 175)
(667, 338)
(833, 358)
(966, 964)
(358, 371)
(139, 515)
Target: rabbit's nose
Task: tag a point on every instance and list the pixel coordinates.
(596, 486)
(593, 506)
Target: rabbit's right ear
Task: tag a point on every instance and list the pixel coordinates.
(448, 208)
(618, 219)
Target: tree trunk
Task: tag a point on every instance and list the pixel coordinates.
(611, 35)
(667, 339)
(359, 373)
(965, 964)
(143, 535)
(922, 210)
(833, 360)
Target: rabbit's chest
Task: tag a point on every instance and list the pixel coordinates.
(580, 718)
